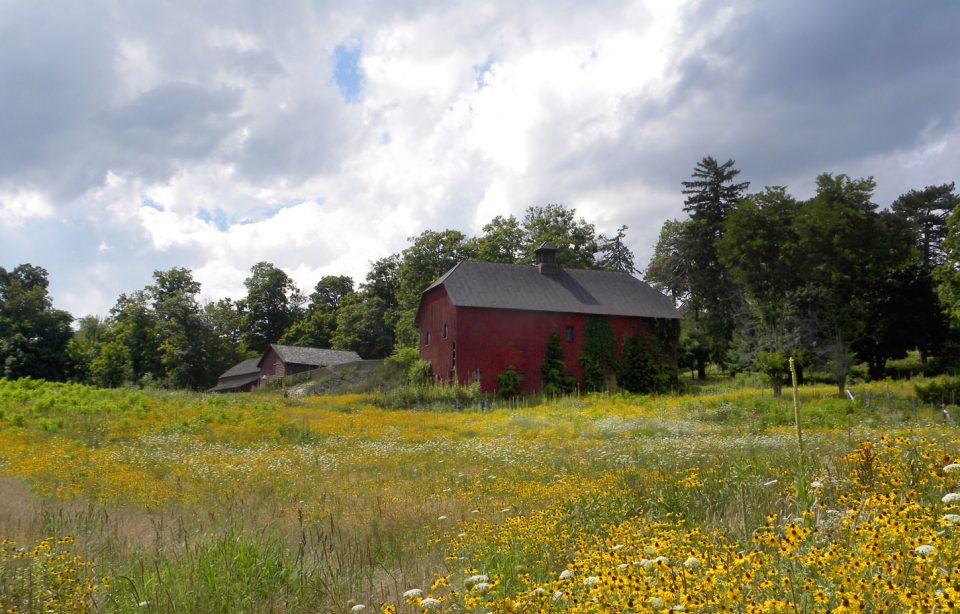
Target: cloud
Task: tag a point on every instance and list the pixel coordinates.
(321, 137)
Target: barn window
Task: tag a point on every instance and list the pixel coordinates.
(428, 338)
(568, 333)
(444, 330)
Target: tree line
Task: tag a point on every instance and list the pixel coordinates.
(832, 281)
(162, 335)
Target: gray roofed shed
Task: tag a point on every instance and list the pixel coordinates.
(317, 357)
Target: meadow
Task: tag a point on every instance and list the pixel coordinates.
(136, 501)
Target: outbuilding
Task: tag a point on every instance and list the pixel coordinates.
(479, 318)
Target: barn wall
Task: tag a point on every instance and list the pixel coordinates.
(271, 365)
(489, 340)
(435, 311)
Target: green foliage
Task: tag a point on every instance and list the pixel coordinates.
(502, 241)
(575, 238)
(436, 397)
(599, 353)
(643, 368)
(508, 382)
(272, 304)
(556, 380)
(939, 391)
(361, 326)
(33, 335)
(614, 255)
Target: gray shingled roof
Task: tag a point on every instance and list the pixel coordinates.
(517, 286)
(317, 357)
(238, 383)
(248, 366)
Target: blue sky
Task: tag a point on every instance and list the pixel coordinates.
(139, 137)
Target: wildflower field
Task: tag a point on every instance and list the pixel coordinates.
(134, 501)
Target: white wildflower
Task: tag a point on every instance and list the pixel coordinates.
(951, 519)
(616, 547)
(925, 550)
(358, 608)
(952, 467)
(538, 591)
(692, 563)
(441, 517)
(591, 580)
(429, 602)
(557, 596)
(413, 593)
(662, 559)
(474, 511)
(816, 484)
(679, 608)
(566, 574)
(622, 566)
(951, 497)
(770, 483)
(481, 586)
(656, 602)
(461, 535)
(476, 578)
(505, 510)
(650, 551)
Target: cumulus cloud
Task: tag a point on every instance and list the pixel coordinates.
(139, 137)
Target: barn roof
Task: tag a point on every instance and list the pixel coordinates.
(518, 286)
(237, 383)
(317, 357)
(246, 367)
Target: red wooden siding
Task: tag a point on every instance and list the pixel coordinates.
(487, 341)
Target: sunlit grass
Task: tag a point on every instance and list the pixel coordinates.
(261, 503)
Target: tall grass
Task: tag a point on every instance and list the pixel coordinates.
(261, 503)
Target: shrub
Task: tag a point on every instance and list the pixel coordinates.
(508, 382)
(939, 391)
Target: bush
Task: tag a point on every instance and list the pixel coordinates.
(508, 382)
(939, 391)
(436, 397)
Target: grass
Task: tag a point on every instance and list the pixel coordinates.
(134, 501)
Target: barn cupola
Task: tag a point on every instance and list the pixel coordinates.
(546, 257)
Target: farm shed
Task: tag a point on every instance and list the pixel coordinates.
(481, 317)
(277, 361)
(241, 377)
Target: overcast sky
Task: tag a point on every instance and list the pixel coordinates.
(137, 136)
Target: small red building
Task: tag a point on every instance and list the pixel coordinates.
(278, 361)
(481, 317)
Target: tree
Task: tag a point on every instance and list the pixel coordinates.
(574, 237)
(328, 293)
(186, 337)
(84, 345)
(317, 326)
(640, 368)
(758, 248)
(902, 312)
(272, 304)
(926, 212)
(714, 297)
(134, 326)
(225, 320)
(361, 326)
(429, 256)
(502, 241)
(598, 356)
(669, 267)
(556, 380)
(847, 250)
(614, 255)
(33, 335)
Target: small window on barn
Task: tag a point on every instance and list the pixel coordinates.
(427, 342)
(568, 333)
(444, 331)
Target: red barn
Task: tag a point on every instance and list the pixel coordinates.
(481, 317)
